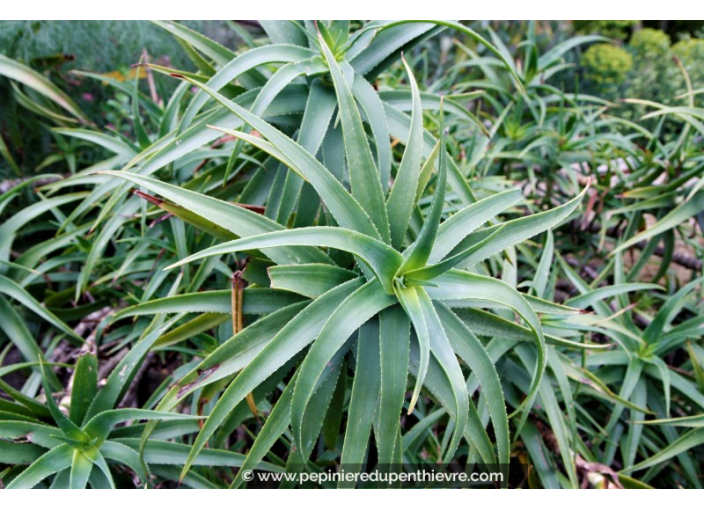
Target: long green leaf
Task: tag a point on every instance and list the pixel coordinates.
(444, 354)
(516, 231)
(364, 399)
(381, 258)
(288, 342)
(462, 285)
(256, 301)
(408, 297)
(460, 225)
(310, 280)
(53, 461)
(236, 219)
(354, 311)
(403, 193)
(417, 255)
(675, 217)
(343, 206)
(32, 79)
(364, 174)
(394, 346)
(472, 352)
(10, 288)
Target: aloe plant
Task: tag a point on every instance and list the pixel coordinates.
(87, 446)
(400, 272)
(646, 385)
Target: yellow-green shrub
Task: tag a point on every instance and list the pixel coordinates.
(607, 64)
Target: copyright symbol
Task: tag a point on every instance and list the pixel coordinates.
(247, 475)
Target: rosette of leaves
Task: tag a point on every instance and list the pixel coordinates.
(279, 79)
(637, 426)
(382, 278)
(83, 444)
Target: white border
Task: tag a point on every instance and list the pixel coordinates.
(364, 9)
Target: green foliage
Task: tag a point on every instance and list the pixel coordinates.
(39, 43)
(607, 64)
(354, 243)
(650, 43)
(690, 52)
(614, 28)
